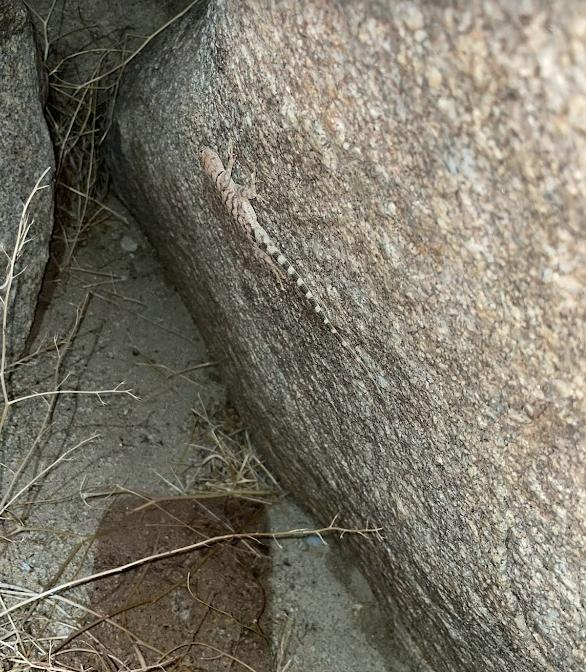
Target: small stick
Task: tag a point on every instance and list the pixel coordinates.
(252, 536)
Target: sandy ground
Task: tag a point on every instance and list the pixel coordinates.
(135, 331)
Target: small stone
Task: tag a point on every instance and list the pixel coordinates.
(128, 244)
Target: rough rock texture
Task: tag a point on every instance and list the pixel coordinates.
(25, 153)
(423, 165)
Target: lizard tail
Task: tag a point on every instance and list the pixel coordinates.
(290, 270)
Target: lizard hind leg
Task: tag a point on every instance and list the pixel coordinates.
(250, 192)
(277, 271)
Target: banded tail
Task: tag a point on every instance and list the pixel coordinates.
(263, 239)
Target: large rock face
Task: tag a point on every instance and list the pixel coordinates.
(423, 166)
(25, 153)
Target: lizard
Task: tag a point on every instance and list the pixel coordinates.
(236, 199)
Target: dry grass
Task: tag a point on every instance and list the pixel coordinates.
(15, 635)
(79, 116)
(83, 88)
(47, 397)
